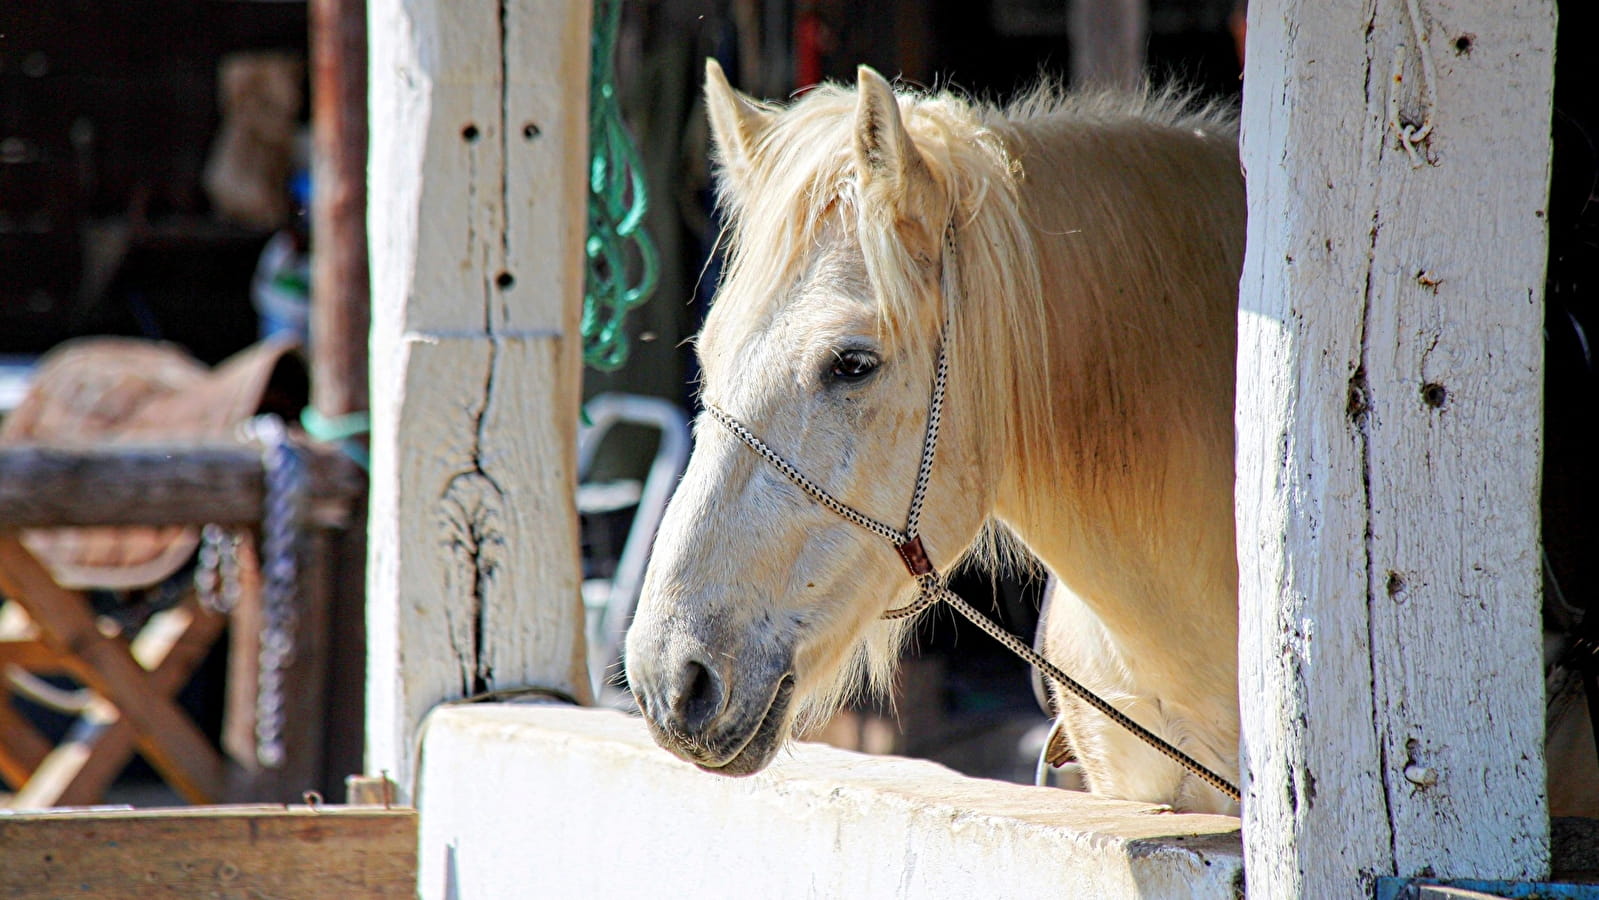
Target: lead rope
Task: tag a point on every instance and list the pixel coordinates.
(929, 586)
(1086, 695)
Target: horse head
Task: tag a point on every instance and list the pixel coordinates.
(761, 607)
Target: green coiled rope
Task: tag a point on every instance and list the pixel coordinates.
(617, 242)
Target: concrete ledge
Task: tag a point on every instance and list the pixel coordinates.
(545, 801)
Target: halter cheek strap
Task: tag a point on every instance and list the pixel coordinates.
(907, 543)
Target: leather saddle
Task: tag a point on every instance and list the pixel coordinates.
(100, 391)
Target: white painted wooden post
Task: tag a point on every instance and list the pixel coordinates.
(479, 149)
(1390, 364)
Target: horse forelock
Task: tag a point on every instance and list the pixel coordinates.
(802, 178)
(802, 175)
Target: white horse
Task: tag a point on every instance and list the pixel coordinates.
(1075, 262)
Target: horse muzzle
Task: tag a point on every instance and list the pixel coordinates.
(721, 719)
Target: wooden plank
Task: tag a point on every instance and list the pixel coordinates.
(305, 681)
(345, 739)
(1388, 445)
(369, 790)
(279, 852)
(150, 484)
(244, 671)
(29, 653)
(166, 737)
(478, 165)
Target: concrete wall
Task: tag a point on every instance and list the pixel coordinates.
(545, 801)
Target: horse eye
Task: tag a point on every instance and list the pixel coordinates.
(854, 365)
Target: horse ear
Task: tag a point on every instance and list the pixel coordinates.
(892, 171)
(737, 123)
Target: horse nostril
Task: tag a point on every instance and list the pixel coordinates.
(698, 697)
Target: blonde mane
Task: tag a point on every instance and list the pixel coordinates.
(1049, 168)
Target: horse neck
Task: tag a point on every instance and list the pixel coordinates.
(1139, 236)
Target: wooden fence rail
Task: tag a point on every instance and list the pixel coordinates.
(156, 484)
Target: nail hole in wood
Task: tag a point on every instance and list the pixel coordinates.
(469, 133)
(1356, 405)
(530, 131)
(504, 280)
(1463, 44)
(1434, 395)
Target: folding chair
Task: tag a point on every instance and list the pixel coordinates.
(134, 682)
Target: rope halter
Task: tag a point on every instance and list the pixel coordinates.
(908, 544)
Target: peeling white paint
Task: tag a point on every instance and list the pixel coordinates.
(1389, 445)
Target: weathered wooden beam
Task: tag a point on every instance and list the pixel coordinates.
(340, 329)
(218, 851)
(477, 182)
(45, 486)
(1390, 359)
(340, 306)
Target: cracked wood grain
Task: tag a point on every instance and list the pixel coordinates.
(477, 223)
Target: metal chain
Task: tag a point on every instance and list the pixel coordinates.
(930, 588)
(286, 481)
(216, 575)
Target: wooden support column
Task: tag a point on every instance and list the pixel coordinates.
(1390, 362)
(340, 328)
(340, 318)
(477, 185)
